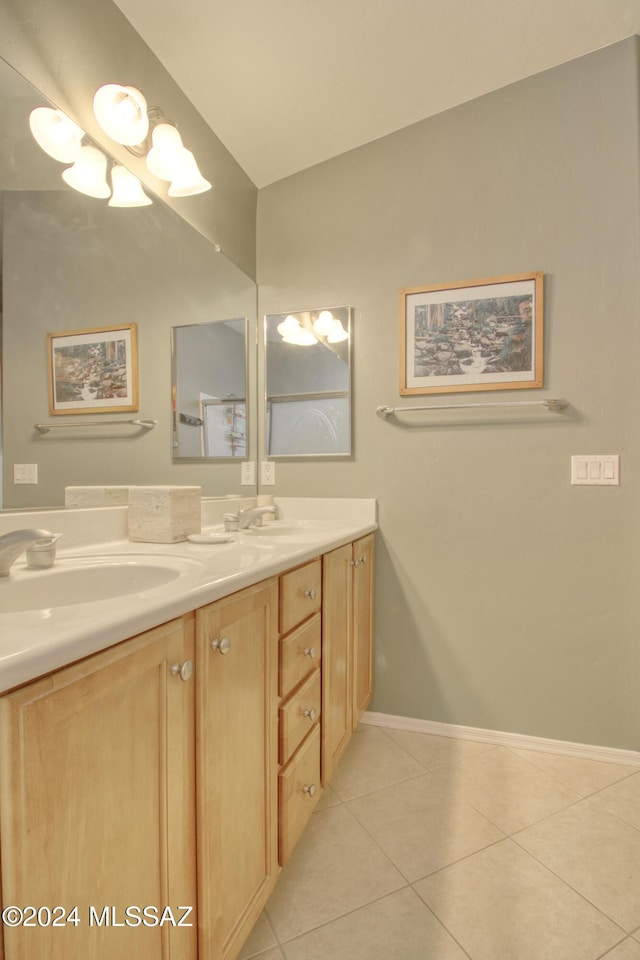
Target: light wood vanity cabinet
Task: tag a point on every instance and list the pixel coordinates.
(237, 765)
(97, 804)
(177, 768)
(347, 646)
(300, 705)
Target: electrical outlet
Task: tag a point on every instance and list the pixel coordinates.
(248, 473)
(267, 473)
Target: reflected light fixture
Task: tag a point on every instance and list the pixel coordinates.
(56, 134)
(88, 174)
(292, 332)
(338, 334)
(127, 189)
(122, 113)
(324, 323)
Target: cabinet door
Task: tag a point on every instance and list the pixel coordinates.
(336, 658)
(363, 559)
(97, 808)
(237, 769)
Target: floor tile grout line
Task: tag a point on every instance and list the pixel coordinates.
(282, 943)
(578, 893)
(609, 951)
(627, 776)
(450, 763)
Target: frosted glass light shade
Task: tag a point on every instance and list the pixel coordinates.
(324, 323)
(122, 113)
(337, 334)
(56, 134)
(89, 174)
(166, 154)
(289, 326)
(127, 189)
(300, 337)
(188, 181)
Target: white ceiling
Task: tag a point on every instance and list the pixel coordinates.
(286, 84)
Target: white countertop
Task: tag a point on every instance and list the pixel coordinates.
(33, 642)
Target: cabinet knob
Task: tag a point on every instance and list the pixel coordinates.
(310, 652)
(354, 563)
(363, 559)
(311, 713)
(222, 646)
(311, 593)
(182, 670)
(309, 789)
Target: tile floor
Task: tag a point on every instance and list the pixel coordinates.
(430, 848)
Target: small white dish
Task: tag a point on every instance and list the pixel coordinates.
(209, 538)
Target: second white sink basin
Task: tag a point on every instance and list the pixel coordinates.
(292, 529)
(89, 579)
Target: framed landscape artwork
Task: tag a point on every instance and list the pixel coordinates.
(94, 370)
(473, 335)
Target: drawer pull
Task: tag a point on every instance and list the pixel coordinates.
(309, 789)
(310, 652)
(182, 670)
(311, 713)
(222, 646)
(311, 593)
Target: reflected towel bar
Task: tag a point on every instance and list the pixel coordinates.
(146, 424)
(552, 405)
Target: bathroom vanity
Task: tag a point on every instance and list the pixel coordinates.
(177, 768)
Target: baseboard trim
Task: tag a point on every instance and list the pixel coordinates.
(565, 748)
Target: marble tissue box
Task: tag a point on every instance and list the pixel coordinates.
(164, 514)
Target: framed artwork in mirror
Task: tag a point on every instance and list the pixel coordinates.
(472, 335)
(93, 370)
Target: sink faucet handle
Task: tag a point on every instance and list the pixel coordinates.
(42, 553)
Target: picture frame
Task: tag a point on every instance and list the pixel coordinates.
(473, 335)
(93, 370)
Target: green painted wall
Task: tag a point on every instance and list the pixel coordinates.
(506, 598)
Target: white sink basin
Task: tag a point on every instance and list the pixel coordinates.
(89, 579)
(292, 529)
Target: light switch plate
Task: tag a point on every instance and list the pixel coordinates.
(25, 473)
(595, 469)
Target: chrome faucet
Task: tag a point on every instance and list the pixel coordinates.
(14, 543)
(251, 514)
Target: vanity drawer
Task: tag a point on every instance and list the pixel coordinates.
(299, 792)
(300, 595)
(299, 654)
(297, 715)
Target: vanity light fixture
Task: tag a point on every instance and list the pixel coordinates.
(291, 331)
(328, 326)
(88, 174)
(56, 134)
(127, 189)
(123, 114)
(324, 323)
(338, 334)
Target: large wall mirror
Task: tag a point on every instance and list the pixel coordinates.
(308, 383)
(71, 262)
(209, 363)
